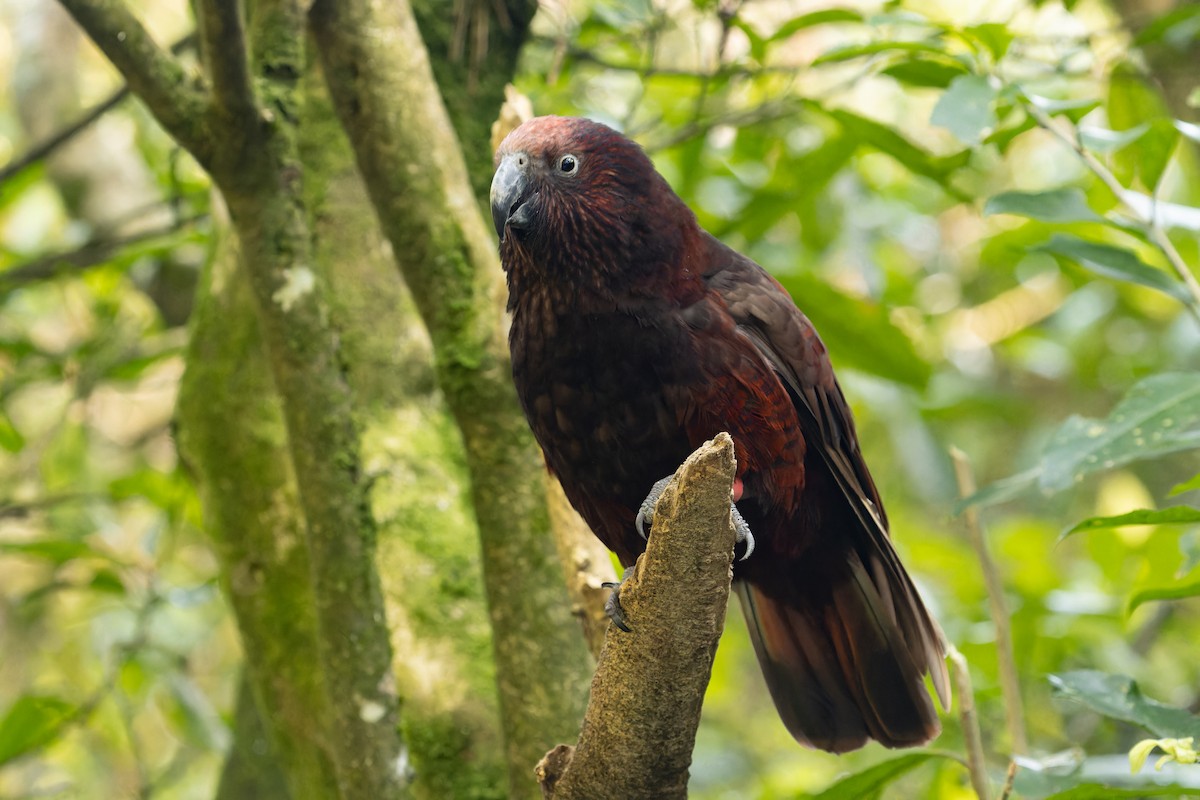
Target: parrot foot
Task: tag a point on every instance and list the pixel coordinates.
(645, 516)
(612, 606)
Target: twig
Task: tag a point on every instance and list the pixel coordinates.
(1009, 683)
(90, 254)
(177, 100)
(223, 43)
(640, 727)
(1149, 224)
(56, 140)
(1010, 778)
(972, 738)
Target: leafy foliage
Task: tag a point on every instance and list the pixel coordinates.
(989, 221)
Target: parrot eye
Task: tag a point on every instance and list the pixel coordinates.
(568, 164)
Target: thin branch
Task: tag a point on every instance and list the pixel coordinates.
(47, 146)
(91, 253)
(1010, 778)
(640, 726)
(226, 56)
(176, 99)
(1149, 223)
(1010, 685)
(56, 140)
(972, 738)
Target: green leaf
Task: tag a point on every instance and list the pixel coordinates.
(1179, 590)
(31, 722)
(995, 36)
(1159, 415)
(813, 18)
(926, 71)
(1118, 697)
(871, 781)
(1071, 777)
(1177, 28)
(1114, 262)
(1168, 215)
(967, 109)
(887, 140)
(192, 713)
(10, 438)
(1074, 108)
(1173, 515)
(57, 551)
(858, 332)
(1056, 205)
(853, 51)
(1096, 791)
(1188, 129)
(1102, 140)
(1131, 102)
(1190, 485)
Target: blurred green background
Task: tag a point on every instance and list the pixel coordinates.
(979, 284)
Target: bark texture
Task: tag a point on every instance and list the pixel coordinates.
(244, 132)
(380, 78)
(233, 437)
(640, 727)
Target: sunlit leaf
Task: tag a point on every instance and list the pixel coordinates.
(1188, 129)
(995, 36)
(1118, 697)
(1096, 791)
(822, 17)
(1178, 27)
(1055, 205)
(10, 438)
(1114, 262)
(1160, 415)
(1102, 140)
(1131, 103)
(1074, 109)
(860, 332)
(852, 51)
(31, 722)
(1174, 515)
(107, 581)
(967, 108)
(887, 140)
(1187, 486)
(56, 551)
(926, 71)
(868, 783)
(1188, 586)
(192, 712)
(1072, 777)
(1167, 215)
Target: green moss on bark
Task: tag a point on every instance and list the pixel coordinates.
(232, 435)
(427, 549)
(379, 76)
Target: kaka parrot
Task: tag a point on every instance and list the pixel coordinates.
(636, 336)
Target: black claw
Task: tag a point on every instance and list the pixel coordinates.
(612, 606)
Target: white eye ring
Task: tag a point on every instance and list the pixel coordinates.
(568, 164)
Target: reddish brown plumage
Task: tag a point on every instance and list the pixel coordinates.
(636, 336)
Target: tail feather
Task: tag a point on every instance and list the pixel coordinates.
(844, 653)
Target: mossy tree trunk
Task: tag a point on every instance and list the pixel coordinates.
(311, 410)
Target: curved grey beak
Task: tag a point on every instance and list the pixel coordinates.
(510, 191)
